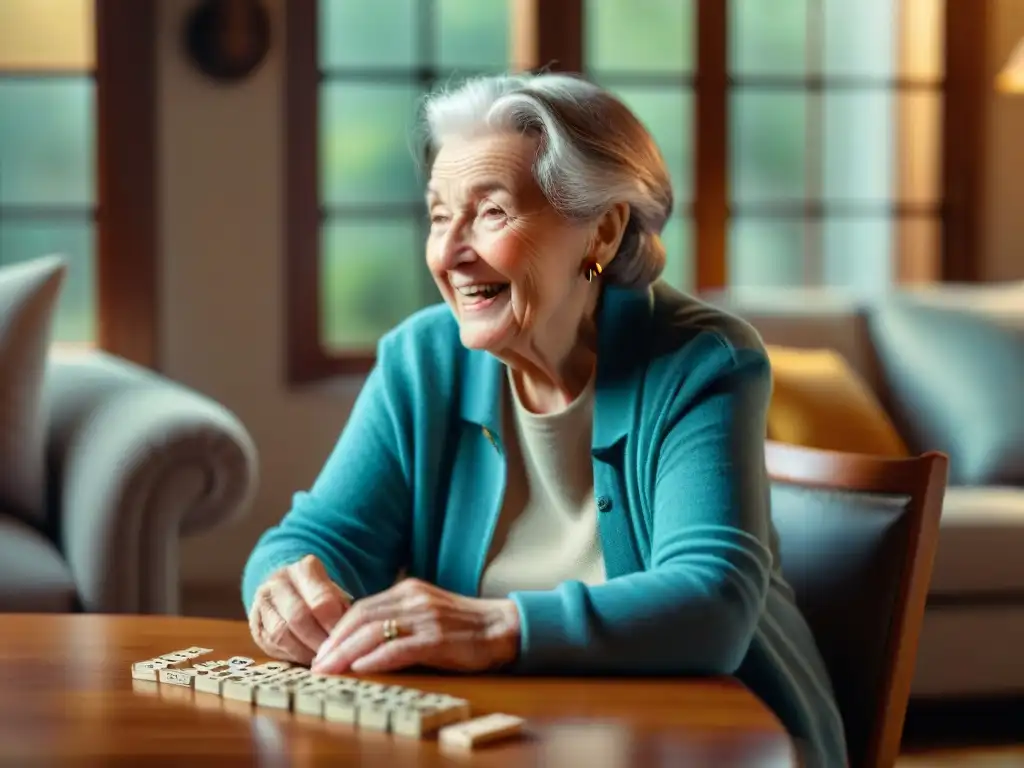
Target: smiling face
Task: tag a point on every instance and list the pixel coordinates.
(507, 263)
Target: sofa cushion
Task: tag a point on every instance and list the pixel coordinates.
(818, 401)
(34, 578)
(981, 543)
(28, 297)
(807, 318)
(954, 362)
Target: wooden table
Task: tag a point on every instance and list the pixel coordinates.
(67, 698)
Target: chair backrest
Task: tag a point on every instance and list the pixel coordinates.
(857, 540)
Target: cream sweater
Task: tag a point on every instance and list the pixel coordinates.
(547, 530)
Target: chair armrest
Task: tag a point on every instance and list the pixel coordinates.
(135, 461)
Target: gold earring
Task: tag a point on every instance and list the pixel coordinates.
(591, 267)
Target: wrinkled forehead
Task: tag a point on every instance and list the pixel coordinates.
(495, 161)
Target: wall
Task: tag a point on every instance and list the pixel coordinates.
(1004, 224)
(221, 238)
(221, 232)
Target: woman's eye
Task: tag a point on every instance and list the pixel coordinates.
(438, 218)
(492, 211)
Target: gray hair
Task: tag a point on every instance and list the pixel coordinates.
(593, 153)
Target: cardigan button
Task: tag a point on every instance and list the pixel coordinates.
(603, 504)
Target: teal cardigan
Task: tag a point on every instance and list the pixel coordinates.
(417, 478)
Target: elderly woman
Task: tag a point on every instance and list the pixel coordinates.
(565, 459)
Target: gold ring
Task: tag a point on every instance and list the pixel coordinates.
(390, 630)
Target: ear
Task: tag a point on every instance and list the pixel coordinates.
(611, 226)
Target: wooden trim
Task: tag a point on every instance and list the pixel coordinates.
(819, 209)
(711, 150)
(818, 83)
(964, 125)
(861, 473)
(548, 34)
(305, 360)
(127, 248)
(523, 25)
(923, 479)
(813, 256)
(560, 25)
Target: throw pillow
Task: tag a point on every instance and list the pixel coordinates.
(954, 363)
(819, 401)
(28, 297)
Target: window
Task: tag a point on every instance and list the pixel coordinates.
(376, 60)
(373, 62)
(48, 190)
(805, 140)
(649, 60)
(77, 158)
(835, 146)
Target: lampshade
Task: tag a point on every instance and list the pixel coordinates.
(1011, 78)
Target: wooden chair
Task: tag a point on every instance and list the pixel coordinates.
(858, 536)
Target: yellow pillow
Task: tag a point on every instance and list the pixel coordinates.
(819, 401)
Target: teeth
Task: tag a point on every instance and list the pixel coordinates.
(486, 291)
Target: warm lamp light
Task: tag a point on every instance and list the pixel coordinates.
(1011, 78)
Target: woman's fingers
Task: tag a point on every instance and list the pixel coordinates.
(295, 609)
(297, 614)
(396, 655)
(367, 649)
(433, 627)
(326, 600)
(358, 615)
(360, 642)
(256, 622)
(275, 636)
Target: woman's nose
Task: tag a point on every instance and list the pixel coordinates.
(457, 247)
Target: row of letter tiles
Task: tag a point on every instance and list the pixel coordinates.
(400, 710)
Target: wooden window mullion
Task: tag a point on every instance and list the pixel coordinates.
(549, 34)
(305, 360)
(814, 158)
(711, 187)
(963, 142)
(127, 248)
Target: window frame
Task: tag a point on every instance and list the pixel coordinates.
(127, 256)
(551, 32)
(123, 216)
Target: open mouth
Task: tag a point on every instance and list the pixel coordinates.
(481, 296)
(480, 292)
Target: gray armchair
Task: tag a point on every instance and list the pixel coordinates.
(135, 462)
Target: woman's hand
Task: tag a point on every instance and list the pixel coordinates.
(295, 610)
(434, 628)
